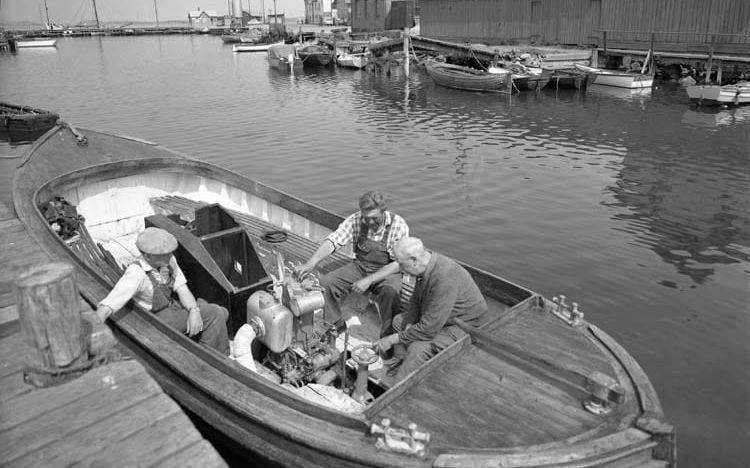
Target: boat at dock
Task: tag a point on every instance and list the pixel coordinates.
(469, 79)
(35, 42)
(284, 57)
(254, 47)
(568, 78)
(715, 95)
(616, 78)
(538, 385)
(350, 60)
(18, 119)
(314, 55)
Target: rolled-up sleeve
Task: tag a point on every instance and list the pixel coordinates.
(344, 233)
(125, 289)
(179, 276)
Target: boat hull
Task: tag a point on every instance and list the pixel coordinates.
(36, 43)
(523, 411)
(315, 56)
(17, 119)
(467, 79)
(242, 47)
(715, 95)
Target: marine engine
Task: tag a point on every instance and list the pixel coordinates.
(284, 322)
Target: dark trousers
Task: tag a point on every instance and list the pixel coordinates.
(338, 283)
(214, 317)
(419, 352)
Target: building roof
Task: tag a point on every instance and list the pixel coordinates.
(198, 13)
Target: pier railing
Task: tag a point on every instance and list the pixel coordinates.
(672, 41)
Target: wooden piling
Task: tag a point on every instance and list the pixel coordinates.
(710, 60)
(50, 318)
(406, 52)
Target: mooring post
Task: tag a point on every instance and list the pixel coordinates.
(50, 318)
(605, 44)
(718, 72)
(710, 60)
(406, 52)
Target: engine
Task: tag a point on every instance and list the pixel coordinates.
(284, 323)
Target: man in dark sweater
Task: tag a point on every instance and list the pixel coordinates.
(444, 291)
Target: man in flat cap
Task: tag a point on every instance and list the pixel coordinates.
(154, 280)
(372, 232)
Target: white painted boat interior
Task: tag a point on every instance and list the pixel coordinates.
(114, 209)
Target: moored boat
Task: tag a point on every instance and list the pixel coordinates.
(568, 78)
(350, 60)
(314, 55)
(469, 79)
(283, 57)
(616, 78)
(35, 42)
(245, 47)
(536, 386)
(715, 95)
(15, 118)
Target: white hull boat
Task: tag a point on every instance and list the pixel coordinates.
(617, 78)
(254, 47)
(348, 60)
(37, 43)
(734, 94)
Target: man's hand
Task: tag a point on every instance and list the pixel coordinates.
(362, 285)
(302, 270)
(103, 312)
(386, 343)
(194, 322)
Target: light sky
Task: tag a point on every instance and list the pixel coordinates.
(75, 11)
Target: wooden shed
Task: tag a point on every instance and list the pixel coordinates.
(675, 23)
(381, 15)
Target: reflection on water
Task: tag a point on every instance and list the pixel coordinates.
(711, 117)
(633, 203)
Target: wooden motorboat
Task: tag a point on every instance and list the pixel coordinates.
(15, 118)
(536, 386)
(284, 57)
(244, 47)
(315, 55)
(470, 79)
(618, 79)
(715, 95)
(36, 42)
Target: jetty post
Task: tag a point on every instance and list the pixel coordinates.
(50, 318)
(406, 51)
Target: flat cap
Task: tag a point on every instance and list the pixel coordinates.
(156, 241)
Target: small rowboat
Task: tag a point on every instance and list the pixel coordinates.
(538, 385)
(253, 47)
(283, 57)
(715, 95)
(349, 60)
(15, 119)
(469, 79)
(617, 78)
(30, 42)
(315, 55)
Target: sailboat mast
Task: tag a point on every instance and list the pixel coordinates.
(156, 12)
(96, 14)
(46, 11)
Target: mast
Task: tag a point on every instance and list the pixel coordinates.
(275, 17)
(156, 12)
(46, 11)
(96, 15)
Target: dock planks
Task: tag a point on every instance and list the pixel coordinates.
(114, 415)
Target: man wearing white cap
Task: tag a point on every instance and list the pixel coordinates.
(153, 281)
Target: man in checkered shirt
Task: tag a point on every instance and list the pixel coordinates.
(372, 232)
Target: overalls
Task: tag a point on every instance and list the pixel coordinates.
(370, 256)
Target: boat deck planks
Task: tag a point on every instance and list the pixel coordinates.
(114, 415)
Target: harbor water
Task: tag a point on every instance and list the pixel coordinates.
(633, 204)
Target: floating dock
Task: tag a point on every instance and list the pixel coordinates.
(114, 415)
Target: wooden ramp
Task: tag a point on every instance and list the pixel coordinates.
(114, 415)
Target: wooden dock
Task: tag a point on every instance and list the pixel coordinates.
(113, 415)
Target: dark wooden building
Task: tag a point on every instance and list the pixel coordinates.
(381, 15)
(676, 24)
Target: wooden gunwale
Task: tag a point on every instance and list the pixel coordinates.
(244, 406)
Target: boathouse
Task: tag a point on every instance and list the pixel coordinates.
(201, 19)
(676, 25)
(381, 15)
